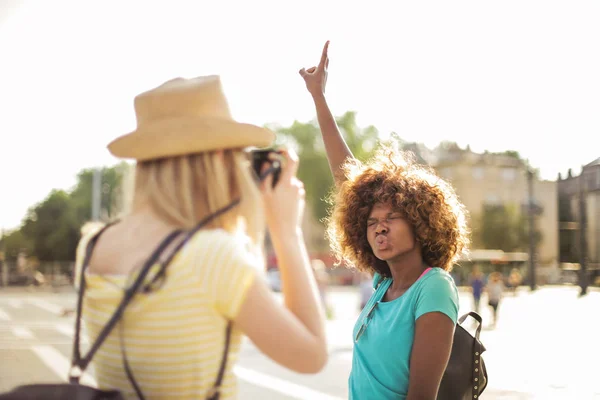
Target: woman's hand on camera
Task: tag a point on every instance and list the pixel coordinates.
(284, 203)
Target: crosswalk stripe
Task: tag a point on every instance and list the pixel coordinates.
(59, 364)
(4, 316)
(15, 303)
(21, 332)
(65, 330)
(46, 306)
(290, 389)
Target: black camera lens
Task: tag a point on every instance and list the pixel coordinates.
(262, 157)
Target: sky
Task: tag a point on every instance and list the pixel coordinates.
(510, 75)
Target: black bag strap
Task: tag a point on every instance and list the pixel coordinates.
(215, 392)
(475, 316)
(82, 363)
(146, 289)
(76, 354)
(478, 374)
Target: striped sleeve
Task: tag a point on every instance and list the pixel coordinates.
(226, 269)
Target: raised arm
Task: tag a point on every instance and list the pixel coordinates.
(335, 146)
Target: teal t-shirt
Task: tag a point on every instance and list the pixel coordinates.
(381, 355)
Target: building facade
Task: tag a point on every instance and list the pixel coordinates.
(576, 193)
(500, 179)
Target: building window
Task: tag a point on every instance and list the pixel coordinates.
(478, 173)
(509, 174)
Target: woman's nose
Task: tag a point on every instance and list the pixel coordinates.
(381, 228)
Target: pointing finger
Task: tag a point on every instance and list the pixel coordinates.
(324, 55)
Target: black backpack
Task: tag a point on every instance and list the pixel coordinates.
(465, 376)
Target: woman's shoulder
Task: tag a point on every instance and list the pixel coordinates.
(439, 281)
(218, 239)
(87, 231)
(437, 292)
(210, 242)
(438, 274)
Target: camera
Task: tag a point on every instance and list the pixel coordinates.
(264, 156)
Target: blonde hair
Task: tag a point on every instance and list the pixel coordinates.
(183, 190)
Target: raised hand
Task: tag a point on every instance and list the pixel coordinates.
(316, 77)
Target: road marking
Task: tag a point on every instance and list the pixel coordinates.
(4, 316)
(21, 332)
(290, 389)
(66, 330)
(15, 345)
(69, 331)
(59, 364)
(44, 305)
(15, 303)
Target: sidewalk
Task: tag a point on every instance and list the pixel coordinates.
(544, 346)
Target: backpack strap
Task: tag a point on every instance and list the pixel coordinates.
(76, 354)
(215, 392)
(79, 364)
(377, 279)
(479, 374)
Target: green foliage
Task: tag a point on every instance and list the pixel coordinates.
(14, 243)
(314, 168)
(111, 178)
(513, 154)
(50, 231)
(504, 228)
(51, 227)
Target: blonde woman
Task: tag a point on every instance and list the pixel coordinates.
(192, 163)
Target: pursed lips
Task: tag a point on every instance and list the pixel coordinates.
(381, 241)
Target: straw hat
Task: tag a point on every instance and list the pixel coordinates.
(186, 116)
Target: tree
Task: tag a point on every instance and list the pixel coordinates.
(52, 228)
(14, 243)
(314, 168)
(50, 231)
(81, 195)
(503, 227)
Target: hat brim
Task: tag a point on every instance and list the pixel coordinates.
(185, 135)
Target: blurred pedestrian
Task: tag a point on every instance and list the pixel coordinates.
(495, 289)
(514, 280)
(477, 284)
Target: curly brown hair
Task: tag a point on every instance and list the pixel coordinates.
(427, 202)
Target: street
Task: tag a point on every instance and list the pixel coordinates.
(545, 346)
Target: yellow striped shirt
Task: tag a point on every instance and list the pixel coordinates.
(174, 336)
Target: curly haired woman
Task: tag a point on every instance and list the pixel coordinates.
(398, 221)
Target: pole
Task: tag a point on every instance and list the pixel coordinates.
(583, 278)
(96, 192)
(531, 215)
(3, 260)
